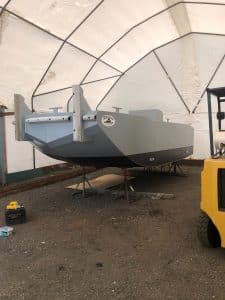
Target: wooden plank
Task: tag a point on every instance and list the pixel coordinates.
(101, 182)
(149, 195)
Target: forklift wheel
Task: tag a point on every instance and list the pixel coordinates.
(207, 232)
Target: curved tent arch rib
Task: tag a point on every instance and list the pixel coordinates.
(171, 81)
(164, 69)
(60, 48)
(177, 91)
(84, 83)
(3, 8)
(140, 23)
(167, 73)
(111, 46)
(144, 21)
(208, 84)
(127, 32)
(134, 27)
(120, 76)
(70, 87)
(53, 35)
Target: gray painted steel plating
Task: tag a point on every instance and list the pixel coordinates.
(106, 138)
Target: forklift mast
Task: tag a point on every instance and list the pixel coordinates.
(219, 93)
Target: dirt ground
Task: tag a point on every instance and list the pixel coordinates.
(103, 248)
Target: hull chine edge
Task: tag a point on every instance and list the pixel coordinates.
(141, 160)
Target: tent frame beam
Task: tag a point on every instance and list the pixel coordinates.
(3, 8)
(153, 50)
(171, 81)
(209, 82)
(141, 23)
(97, 59)
(69, 87)
(148, 53)
(62, 45)
(65, 41)
(56, 36)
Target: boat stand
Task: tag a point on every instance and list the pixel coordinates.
(176, 169)
(85, 191)
(125, 190)
(173, 169)
(128, 192)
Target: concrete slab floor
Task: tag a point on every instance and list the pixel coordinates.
(108, 249)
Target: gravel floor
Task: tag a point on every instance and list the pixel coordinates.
(102, 248)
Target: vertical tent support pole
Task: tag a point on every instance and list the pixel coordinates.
(3, 161)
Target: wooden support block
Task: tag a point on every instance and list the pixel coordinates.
(101, 182)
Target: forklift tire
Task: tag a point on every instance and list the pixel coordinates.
(207, 232)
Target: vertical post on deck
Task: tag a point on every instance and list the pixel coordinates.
(77, 114)
(3, 162)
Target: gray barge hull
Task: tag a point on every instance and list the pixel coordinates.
(145, 143)
(102, 138)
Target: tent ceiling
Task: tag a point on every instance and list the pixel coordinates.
(50, 44)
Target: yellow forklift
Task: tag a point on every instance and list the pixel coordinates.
(211, 225)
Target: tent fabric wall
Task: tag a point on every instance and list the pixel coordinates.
(129, 53)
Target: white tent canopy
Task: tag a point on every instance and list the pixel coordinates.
(128, 53)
